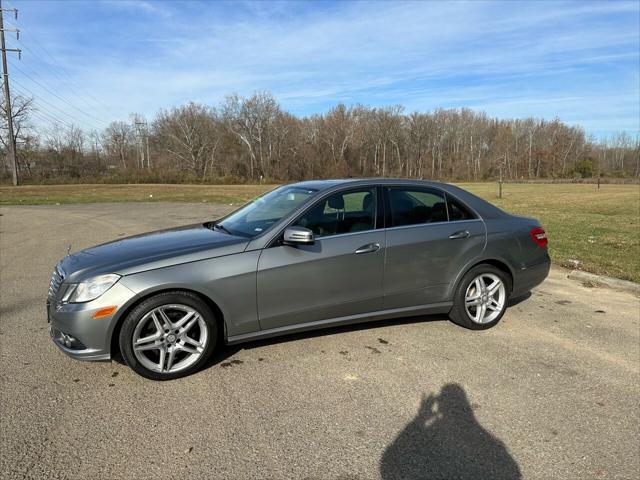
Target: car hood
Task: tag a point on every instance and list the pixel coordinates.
(150, 251)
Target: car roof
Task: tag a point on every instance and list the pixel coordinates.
(485, 209)
(334, 182)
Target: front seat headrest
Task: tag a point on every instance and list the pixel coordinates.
(336, 202)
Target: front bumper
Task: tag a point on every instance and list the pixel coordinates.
(70, 345)
(74, 330)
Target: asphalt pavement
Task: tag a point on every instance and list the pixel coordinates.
(552, 392)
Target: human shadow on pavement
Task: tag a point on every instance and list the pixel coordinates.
(445, 441)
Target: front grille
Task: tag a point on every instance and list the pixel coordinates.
(56, 280)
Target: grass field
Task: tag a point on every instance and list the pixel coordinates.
(599, 228)
(53, 194)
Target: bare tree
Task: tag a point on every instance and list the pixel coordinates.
(251, 120)
(254, 138)
(118, 142)
(191, 134)
(21, 110)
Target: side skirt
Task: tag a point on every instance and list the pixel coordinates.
(348, 320)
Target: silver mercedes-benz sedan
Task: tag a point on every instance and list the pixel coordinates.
(303, 256)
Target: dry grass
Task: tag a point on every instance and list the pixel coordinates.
(599, 229)
(54, 194)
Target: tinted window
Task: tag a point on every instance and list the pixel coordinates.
(415, 206)
(458, 211)
(345, 212)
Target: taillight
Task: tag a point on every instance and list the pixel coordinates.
(539, 236)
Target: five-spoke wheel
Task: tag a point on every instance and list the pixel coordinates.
(170, 338)
(481, 297)
(168, 335)
(485, 298)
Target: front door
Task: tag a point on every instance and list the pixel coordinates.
(339, 275)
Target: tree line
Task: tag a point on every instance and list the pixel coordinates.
(253, 139)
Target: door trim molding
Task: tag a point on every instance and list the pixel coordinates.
(442, 307)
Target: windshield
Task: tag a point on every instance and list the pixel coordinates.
(257, 216)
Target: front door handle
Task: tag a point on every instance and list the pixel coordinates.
(372, 247)
(460, 234)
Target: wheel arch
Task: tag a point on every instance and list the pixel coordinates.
(500, 264)
(114, 346)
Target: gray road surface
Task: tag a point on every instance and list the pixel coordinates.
(551, 392)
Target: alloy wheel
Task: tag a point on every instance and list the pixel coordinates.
(485, 298)
(170, 338)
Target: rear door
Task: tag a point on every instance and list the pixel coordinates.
(430, 236)
(339, 275)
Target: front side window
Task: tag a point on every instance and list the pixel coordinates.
(343, 212)
(259, 215)
(413, 206)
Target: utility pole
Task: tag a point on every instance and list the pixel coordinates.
(500, 178)
(11, 143)
(139, 143)
(146, 141)
(142, 129)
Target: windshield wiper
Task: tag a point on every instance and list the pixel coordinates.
(222, 227)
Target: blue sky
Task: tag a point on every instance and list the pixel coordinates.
(88, 63)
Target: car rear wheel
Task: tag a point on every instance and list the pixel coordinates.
(481, 298)
(169, 335)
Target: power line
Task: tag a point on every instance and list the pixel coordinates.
(60, 80)
(56, 95)
(39, 110)
(46, 118)
(44, 111)
(52, 60)
(48, 113)
(86, 98)
(56, 115)
(70, 81)
(63, 99)
(76, 119)
(64, 71)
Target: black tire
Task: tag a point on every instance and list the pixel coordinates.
(458, 313)
(167, 298)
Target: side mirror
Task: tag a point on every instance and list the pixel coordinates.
(298, 236)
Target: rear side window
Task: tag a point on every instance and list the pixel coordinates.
(344, 212)
(457, 211)
(413, 206)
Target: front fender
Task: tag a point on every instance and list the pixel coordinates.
(229, 282)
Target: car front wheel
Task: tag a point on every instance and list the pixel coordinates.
(169, 335)
(481, 298)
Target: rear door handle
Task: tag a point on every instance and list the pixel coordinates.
(372, 247)
(460, 234)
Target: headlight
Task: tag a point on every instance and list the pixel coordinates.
(92, 288)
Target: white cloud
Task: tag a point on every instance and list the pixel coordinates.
(576, 60)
